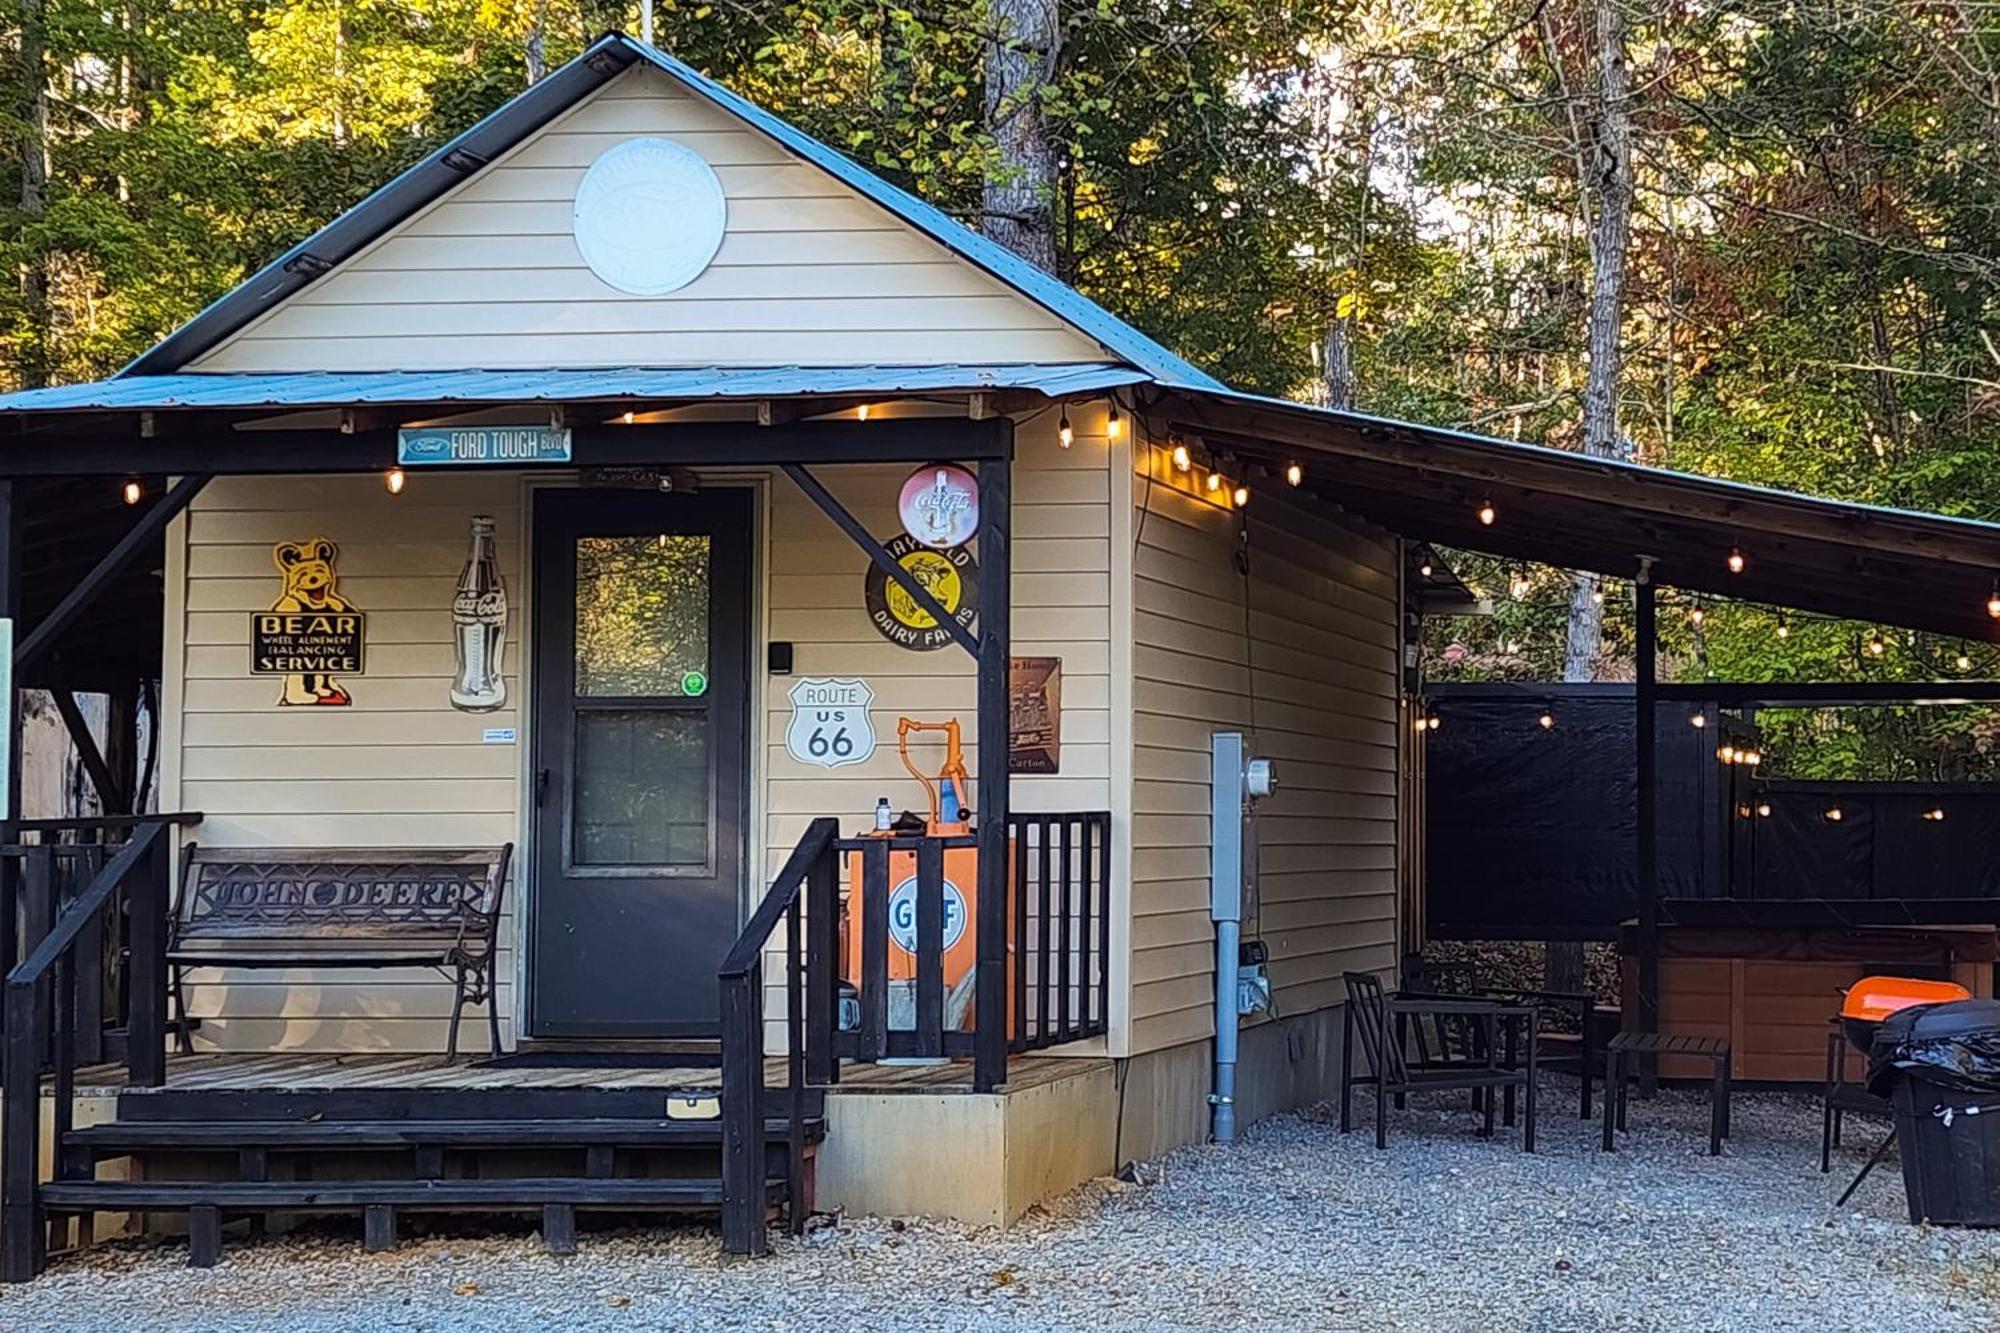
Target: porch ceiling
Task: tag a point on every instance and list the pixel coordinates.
(1887, 566)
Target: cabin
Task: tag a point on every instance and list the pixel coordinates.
(650, 669)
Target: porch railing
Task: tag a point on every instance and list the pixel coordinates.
(898, 892)
(83, 936)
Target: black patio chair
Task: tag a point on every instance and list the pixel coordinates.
(1559, 1050)
(1381, 1020)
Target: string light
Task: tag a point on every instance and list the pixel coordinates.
(1294, 474)
(394, 481)
(1487, 513)
(1064, 435)
(1833, 815)
(1434, 721)
(1698, 721)
(1547, 719)
(1743, 811)
(1964, 662)
(1182, 459)
(133, 491)
(1877, 645)
(1727, 754)
(1596, 595)
(1993, 601)
(629, 417)
(1241, 495)
(1736, 561)
(1520, 585)
(1114, 425)
(861, 412)
(1784, 626)
(1935, 815)
(1697, 613)
(1214, 482)
(1763, 810)
(1424, 569)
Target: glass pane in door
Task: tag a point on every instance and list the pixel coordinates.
(642, 616)
(642, 788)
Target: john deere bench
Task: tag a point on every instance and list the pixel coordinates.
(283, 907)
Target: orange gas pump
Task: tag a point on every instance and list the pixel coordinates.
(948, 796)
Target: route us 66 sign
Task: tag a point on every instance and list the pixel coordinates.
(830, 724)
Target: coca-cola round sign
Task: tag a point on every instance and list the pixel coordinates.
(940, 505)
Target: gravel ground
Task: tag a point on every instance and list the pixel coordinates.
(1294, 1228)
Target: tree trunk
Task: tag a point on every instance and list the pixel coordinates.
(1610, 181)
(1020, 182)
(1338, 369)
(36, 355)
(535, 52)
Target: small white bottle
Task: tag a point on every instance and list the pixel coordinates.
(883, 816)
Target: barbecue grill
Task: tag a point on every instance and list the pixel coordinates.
(1872, 999)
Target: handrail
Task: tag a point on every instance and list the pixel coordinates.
(749, 946)
(105, 822)
(810, 879)
(71, 921)
(44, 1004)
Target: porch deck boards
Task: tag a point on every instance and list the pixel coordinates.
(320, 1071)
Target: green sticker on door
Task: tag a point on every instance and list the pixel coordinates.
(693, 683)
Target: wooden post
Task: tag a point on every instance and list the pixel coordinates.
(996, 592)
(1645, 694)
(743, 1192)
(145, 889)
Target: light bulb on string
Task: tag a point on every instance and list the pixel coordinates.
(1424, 570)
(133, 491)
(1294, 474)
(1487, 513)
(1520, 585)
(1763, 810)
(1114, 425)
(1241, 495)
(1877, 645)
(1697, 613)
(1434, 721)
(1784, 626)
(1993, 601)
(1698, 721)
(1214, 482)
(1736, 561)
(1596, 595)
(1833, 814)
(1935, 815)
(1547, 720)
(861, 412)
(1964, 662)
(394, 480)
(1182, 459)
(1065, 436)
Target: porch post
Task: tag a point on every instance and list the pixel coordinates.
(996, 592)
(1645, 693)
(10, 614)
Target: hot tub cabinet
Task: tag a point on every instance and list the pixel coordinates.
(1769, 990)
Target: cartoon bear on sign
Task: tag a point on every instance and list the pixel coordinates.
(309, 582)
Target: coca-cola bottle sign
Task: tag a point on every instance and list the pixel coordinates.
(479, 626)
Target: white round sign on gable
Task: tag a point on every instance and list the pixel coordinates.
(649, 216)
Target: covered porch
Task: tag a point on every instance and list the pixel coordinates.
(794, 994)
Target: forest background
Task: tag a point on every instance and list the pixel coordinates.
(1756, 239)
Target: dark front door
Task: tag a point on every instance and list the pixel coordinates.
(641, 733)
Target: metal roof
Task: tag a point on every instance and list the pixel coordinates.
(609, 56)
(357, 388)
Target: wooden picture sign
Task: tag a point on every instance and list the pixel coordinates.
(1034, 709)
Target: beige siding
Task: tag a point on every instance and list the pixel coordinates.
(1300, 653)
(1061, 606)
(401, 767)
(810, 272)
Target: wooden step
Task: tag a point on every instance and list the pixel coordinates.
(310, 1195)
(223, 1135)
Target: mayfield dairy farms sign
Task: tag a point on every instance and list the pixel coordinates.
(950, 576)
